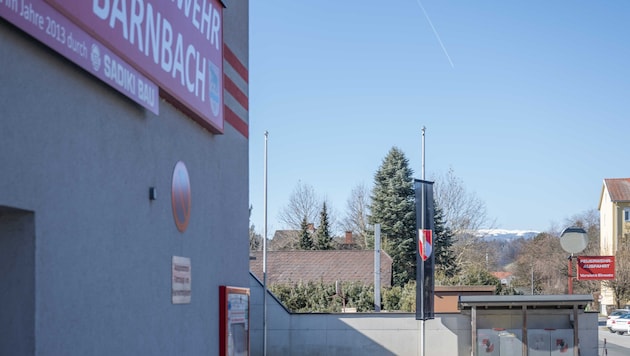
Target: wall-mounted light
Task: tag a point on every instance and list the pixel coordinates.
(152, 193)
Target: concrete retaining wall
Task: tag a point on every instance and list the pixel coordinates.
(375, 333)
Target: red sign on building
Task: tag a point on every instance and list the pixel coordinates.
(596, 267)
(47, 25)
(177, 44)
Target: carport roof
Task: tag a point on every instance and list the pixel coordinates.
(563, 301)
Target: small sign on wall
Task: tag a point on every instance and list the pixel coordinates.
(181, 280)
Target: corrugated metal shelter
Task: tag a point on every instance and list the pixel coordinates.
(535, 324)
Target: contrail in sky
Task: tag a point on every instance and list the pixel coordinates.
(436, 34)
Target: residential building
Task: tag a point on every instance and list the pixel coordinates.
(614, 213)
(504, 277)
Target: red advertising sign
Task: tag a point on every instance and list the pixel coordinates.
(234, 321)
(178, 44)
(596, 267)
(44, 23)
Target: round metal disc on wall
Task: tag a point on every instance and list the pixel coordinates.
(180, 196)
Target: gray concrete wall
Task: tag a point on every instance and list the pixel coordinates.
(352, 333)
(82, 158)
(389, 333)
(17, 272)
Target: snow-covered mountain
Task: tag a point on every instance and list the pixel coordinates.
(503, 234)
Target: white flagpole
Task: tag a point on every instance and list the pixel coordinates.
(265, 250)
(423, 132)
(422, 216)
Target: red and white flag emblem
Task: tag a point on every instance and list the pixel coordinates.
(425, 245)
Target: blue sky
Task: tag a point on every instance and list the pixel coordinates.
(531, 115)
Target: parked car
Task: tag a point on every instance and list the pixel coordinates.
(621, 325)
(614, 315)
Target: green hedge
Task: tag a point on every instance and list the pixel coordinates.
(323, 297)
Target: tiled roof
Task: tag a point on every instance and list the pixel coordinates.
(501, 274)
(618, 188)
(327, 266)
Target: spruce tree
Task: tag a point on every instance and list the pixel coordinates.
(323, 239)
(442, 246)
(306, 242)
(393, 206)
(255, 240)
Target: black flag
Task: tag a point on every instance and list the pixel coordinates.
(425, 261)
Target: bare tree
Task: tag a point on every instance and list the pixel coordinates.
(357, 211)
(621, 284)
(589, 221)
(302, 203)
(334, 225)
(465, 214)
(543, 261)
(463, 211)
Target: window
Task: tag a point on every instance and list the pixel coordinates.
(626, 214)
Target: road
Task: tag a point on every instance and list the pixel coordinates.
(612, 344)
